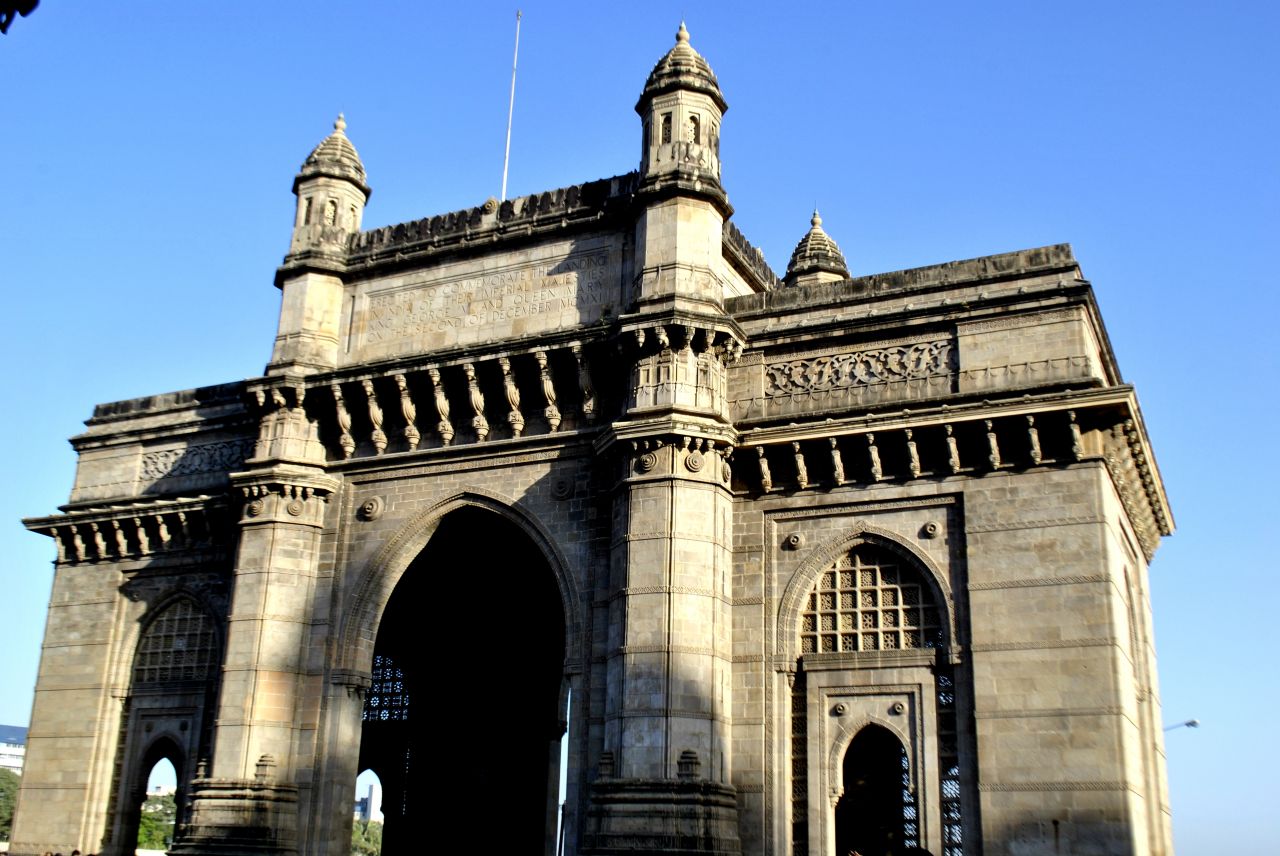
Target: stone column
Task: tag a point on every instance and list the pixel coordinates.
(249, 800)
(665, 784)
(670, 662)
(251, 795)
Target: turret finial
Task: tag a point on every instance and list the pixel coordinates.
(682, 35)
(340, 124)
(817, 219)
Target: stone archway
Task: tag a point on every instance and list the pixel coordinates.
(876, 815)
(162, 749)
(463, 719)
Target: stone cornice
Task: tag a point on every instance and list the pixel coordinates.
(1099, 425)
(284, 494)
(952, 411)
(1003, 267)
(132, 530)
(698, 185)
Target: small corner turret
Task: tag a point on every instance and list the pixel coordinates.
(332, 192)
(680, 110)
(816, 258)
(682, 206)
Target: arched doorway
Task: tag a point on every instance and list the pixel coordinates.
(173, 684)
(151, 812)
(366, 836)
(462, 722)
(159, 808)
(876, 816)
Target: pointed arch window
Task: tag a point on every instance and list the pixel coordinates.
(869, 601)
(179, 644)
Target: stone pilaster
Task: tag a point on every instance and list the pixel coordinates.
(248, 801)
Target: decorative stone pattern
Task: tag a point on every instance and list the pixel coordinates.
(860, 368)
(218, 457)
(864, 603)
(179, 644)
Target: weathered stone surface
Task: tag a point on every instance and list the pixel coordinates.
(585, 445)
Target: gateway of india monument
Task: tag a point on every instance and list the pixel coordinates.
(814, 564)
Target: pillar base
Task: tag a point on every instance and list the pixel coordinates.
(239, 818)
(670, 816)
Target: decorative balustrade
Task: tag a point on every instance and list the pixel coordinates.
(554, 208)
(429, 405)
(747, 257)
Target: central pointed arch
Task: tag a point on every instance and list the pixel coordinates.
(375, 583)
(462, 624)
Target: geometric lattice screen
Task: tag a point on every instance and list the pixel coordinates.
(869, 601)
(178, 645)
(387, 699)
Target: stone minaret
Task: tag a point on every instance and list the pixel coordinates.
(681, 108)
(331, 193)
(666, 761)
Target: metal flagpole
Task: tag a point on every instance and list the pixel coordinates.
(511, 108)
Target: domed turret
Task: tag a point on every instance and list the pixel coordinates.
(331, 190)
(816, 258)
(681, 108)
(682, 68)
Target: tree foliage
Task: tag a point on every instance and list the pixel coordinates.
(366, 838)
(155, 826)
(8, 796)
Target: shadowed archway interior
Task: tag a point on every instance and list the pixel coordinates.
(876, 816)
(463, 719)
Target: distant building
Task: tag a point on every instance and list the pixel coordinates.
(369, 806)
(13, 747)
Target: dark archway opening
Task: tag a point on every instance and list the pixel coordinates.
(876, 816)
(462, 723)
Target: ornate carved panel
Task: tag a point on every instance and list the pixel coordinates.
(195, 460)
(860, 368)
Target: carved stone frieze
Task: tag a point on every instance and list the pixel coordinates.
(224, 456)
(860, 368)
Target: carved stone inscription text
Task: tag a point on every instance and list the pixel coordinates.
(860, 368)
(579, 284)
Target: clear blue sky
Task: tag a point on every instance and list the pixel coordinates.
(149, 148)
